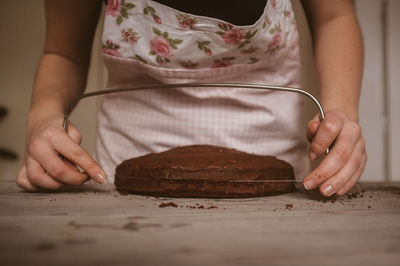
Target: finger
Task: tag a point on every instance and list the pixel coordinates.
(37, 176)
(22, 180)
(72, 166)
(74, 133)
(354, 179)
(77, 137)
(76, 154)
(57, 168)
(335, 183)
(311, 129)
(337, 157)
(327, 132)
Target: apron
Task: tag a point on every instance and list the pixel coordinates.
(147, 43)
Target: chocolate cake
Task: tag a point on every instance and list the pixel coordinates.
(204, 171)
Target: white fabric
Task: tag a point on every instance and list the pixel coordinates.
(132, 124)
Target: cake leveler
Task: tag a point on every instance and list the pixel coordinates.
(76, 100)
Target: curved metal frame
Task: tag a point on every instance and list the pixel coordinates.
(76, 100)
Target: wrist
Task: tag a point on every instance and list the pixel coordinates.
(348, 111)
(43, 112)
(348, 104)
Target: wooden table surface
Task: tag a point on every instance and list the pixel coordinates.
(95, 225)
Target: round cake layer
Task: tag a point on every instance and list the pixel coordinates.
(204, 171)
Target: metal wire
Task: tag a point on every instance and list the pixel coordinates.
(76, 100)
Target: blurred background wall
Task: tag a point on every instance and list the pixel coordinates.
(22, 31)
(22, 34)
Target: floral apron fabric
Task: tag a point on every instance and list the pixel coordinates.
(147, 43)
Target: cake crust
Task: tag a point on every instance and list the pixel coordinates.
(204, 171)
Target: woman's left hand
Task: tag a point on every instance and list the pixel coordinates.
(340, 170)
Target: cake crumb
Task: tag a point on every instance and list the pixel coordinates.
(168, 204)
(123, 192)
(289, 206)
(198, 206)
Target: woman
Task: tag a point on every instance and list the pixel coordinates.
(148, 42)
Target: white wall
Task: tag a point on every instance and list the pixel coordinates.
(393, 76)
(372, 96)
(379, 104)
(21, 31)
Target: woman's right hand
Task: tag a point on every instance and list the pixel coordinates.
(53, 157)
(43, 167)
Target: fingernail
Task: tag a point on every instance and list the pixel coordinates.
(308, 184)
(313, 156)
(328, 191)
(101, 178)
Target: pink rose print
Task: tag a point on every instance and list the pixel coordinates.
(250, 50)
(275, 41)
(161, 47)
(186, 21)
(221, 64)
(224, 62)
(112, 52)
(275, 4)
(204, 47)
(276, 38)
(225, 26)
(253, 60)
(235, 36)
(267, 21)
(128, 35)
(188, 64)
(111, 48)
(118, 9)
(141, 59)
(150, 10)
(113, 8)
(159, 60)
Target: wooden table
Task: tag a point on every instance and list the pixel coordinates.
(95, 225)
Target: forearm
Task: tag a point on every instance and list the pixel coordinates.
(58, 80)
(339, 60)
(61, 73)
